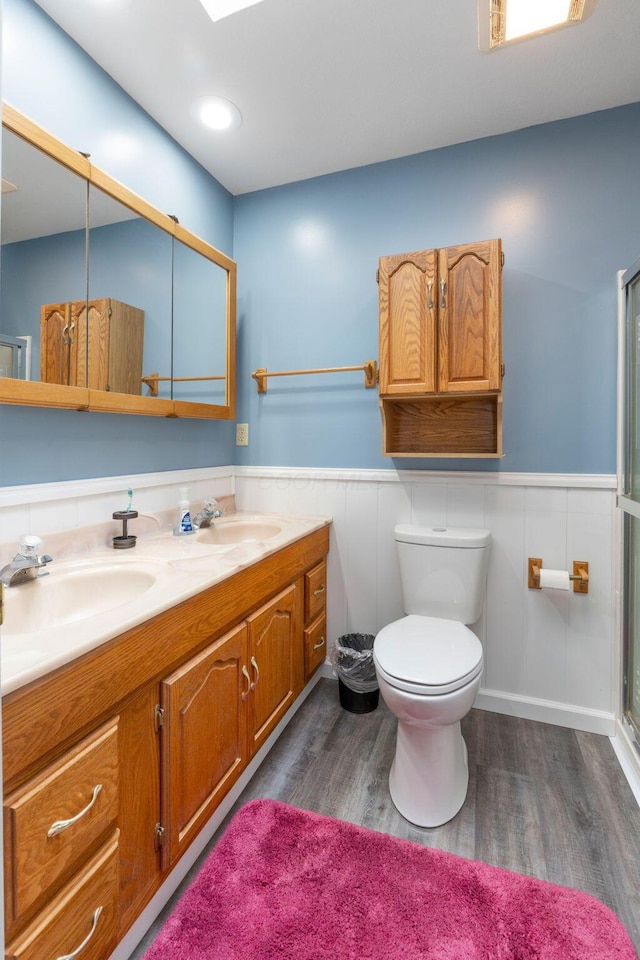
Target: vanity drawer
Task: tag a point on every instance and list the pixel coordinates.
(315, 591)
(315, 645)
(52, 821)
(81, 921)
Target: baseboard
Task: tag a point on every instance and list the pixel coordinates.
(547, 711)
(628, 758)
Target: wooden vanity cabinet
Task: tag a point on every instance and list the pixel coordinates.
(97, 344)
(220, 707)
(173, 710)
(440, 339)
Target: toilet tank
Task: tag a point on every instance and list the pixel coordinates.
(443, 570)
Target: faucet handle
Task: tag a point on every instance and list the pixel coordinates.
(30, 546)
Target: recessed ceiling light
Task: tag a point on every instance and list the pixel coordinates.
(218, 9)
(217, 113)
(510, 20)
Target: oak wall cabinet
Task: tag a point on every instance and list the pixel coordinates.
(97, 344)
(441, 351)
(163, 719)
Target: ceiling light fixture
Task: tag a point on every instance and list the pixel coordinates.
(511, 20)
(218, 9)
(217, 113)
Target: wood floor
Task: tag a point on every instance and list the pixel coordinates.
(543, 800)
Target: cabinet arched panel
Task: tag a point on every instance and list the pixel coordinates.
(407, 323)
(469, 328)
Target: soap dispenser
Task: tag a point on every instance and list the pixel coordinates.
(184, 525)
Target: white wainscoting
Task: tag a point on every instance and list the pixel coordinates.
(549, 655)
(46, 508)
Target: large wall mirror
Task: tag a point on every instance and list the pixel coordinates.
(105, 302)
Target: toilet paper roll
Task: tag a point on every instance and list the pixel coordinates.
(555, 579)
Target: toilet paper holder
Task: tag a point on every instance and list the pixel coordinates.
(579, 578)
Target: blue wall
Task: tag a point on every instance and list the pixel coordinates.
(81, 104)
(564, 197)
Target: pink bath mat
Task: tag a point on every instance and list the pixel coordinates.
(285, 884)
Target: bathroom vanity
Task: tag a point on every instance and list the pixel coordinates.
(115, 760)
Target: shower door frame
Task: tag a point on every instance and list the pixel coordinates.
(629, 507)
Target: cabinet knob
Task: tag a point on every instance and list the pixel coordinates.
(317, 592)
(319, 644)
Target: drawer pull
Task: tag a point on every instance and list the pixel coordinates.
(320, 590)
(255, 667)
(245, 673)
(61, 825)
(85, 942)
(319, 644)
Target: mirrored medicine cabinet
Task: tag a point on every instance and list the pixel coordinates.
(105, 302)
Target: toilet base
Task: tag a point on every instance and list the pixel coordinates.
(430, 773)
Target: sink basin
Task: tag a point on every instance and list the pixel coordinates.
(77, 591)
(239, 531)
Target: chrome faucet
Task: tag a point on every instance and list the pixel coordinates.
(27, 563)
(209, 512)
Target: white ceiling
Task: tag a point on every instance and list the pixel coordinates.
(324, 85)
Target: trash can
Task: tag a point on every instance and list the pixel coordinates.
(357, 681)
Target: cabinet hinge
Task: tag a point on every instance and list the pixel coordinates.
(502, 370)
(377, 276)
(502, 259)
(158, 717)
(1, 604)
(158, 836)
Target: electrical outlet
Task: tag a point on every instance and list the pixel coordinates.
(242, 434)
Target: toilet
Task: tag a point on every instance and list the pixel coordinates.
(429, 666)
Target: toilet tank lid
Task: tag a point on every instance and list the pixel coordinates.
(442, 536)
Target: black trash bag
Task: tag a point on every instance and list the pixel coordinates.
(353, 660)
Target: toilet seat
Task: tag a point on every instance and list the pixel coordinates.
(427, 655)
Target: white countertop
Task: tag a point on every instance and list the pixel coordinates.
(169, 569)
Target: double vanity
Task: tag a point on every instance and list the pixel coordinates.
(137, 687)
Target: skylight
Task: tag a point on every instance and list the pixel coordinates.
(516, 19)
(218, 9)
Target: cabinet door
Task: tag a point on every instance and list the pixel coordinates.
(469, 321)
(55, 319)
(204, 738)
(276, 662)
(407, 301)
(98, 333)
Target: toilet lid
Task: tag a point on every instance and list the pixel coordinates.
(426, 652)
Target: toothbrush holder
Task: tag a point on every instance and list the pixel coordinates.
(126, 540)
